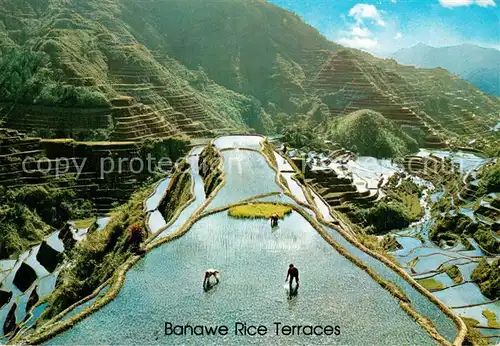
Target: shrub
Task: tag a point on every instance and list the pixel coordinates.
(384, 217)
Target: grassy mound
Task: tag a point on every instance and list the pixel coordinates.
(431, 284)
(492, 319)
(383, 217)
(488, 278)
(208, 165)
(259, 211)
(490, 180)
(454, 273)
(179, 191)
(459, 227)
(369, 133)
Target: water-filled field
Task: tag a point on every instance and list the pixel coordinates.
(166, 284)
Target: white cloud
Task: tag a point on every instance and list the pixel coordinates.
(358, 42)
(366, 11)
(459, 3)
(455, 3)
(394, 1)
(398, 36)
(486, 3)
(359, 31)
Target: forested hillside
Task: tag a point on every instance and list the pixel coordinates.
(92, 70)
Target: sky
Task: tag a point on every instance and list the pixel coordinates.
(384, 26)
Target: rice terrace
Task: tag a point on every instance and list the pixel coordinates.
(221, 172)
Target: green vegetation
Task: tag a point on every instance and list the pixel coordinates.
(454, 273)
(273, 72)
(389, 243)
(301, 132)
(27, 79)
(268, 150)
(161, 148)
(431, 284)
(29, 213)
(488, 278)
(369, 133)
(490, 179)
(95, 259)
(259, 211)
(85, 223)
(492, 319)
(179, 191)
(408, 194)
(209, 168)
(383, 217)
(242, 110)
(473, 336)
(458, 227)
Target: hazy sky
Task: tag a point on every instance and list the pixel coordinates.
(384, 26)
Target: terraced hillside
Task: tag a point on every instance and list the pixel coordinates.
(78, 166)
(71, 70)
(288, 64)
(98, 73)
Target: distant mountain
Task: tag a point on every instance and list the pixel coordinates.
(478, 65)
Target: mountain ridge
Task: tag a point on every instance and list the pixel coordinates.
(214, 70)
(476, 64)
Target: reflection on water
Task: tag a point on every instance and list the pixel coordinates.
(155, 199)
(465, 294)
(247, 174)
(249, 142)
(252, 260)
(476, 312)
(465, 161)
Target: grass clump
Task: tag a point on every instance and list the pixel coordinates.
(209, 168)
(488, 278)
(492, 319)
(473, 336)
(460, 227)
(397, 210)
(431, 284)
(84, 223)
(259, 211)
(179, 191)
(490, 180)
(383, 217)
(454, 273)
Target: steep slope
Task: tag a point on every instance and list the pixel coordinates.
(255, 47)
(431, 100)
(184, 67)
(475, 64)
(73, 69)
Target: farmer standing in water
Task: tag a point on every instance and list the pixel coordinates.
(293, 273)
(274, 220)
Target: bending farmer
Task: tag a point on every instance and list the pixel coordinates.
(208, 274)
(293, 273)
